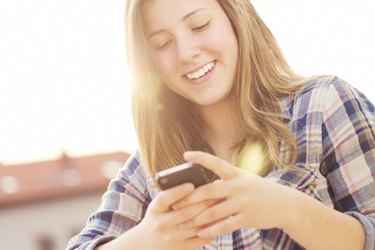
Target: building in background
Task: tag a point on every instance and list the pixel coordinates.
(43, 204)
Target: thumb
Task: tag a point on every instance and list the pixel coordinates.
(166, 198)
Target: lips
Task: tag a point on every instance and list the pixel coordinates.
(201, 71)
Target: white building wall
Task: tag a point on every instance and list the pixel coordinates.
(22, 227)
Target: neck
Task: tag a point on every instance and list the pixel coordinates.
(222, 128)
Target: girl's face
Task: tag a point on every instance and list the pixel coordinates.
(194, 46)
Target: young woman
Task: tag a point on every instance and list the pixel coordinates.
(209, 82)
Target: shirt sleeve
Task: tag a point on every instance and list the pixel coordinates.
(123, 206)
(349, 154)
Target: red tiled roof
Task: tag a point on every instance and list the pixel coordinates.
(58, 178)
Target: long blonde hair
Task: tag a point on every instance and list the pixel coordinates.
(167, 124)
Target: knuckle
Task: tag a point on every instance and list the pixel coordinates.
(212, 214)
(186, 201)
(222, 227)
(157, 225)
(207, 204)
(181, 216)
(189, 213)
(161, 201)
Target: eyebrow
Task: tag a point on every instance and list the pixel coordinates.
(183, 19)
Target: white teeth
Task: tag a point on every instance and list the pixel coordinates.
(201, 72)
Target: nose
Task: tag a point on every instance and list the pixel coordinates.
(187, 49)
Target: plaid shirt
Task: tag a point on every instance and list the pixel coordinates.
(334, 126)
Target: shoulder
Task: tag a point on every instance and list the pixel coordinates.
(316, 83)
(316, 90)
(328, 88)
(320, 93)
(132, 164)
(133, 173)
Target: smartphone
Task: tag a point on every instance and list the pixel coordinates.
(187, 172)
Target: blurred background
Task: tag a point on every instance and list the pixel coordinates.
(65, 123)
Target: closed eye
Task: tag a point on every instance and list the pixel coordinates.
(164, 45)
(201, 27)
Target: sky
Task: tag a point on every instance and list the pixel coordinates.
(64, 85)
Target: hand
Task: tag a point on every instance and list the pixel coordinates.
(247, 200)
(159, 227)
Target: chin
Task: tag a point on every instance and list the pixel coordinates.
(206, 102)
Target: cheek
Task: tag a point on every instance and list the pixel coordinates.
(166, 65)
(211, 41)
(168, 70)
(218, 40)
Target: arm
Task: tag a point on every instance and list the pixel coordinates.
(349, 166)
(128, 219)
(122, 208)
(316, 226)
(252, 201)
(132, 239)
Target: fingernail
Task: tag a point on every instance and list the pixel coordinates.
(188, 187)
(188, 154)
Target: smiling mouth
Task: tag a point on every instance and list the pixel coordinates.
(201, 72)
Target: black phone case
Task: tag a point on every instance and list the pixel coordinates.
(192, 173)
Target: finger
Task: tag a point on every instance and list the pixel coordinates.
(220, 167)
(188, 236)
(187, 213)
(213, 214)
(224, 226)
(180, 234)
(196, 242)
(166, 198)
(213, 191)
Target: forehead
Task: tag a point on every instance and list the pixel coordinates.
(156, 13)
